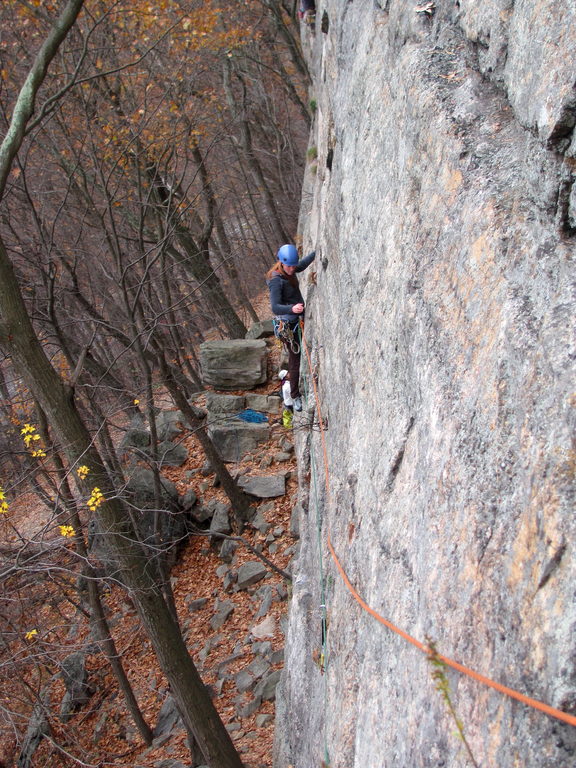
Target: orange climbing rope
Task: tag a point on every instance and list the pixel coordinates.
(534, 703)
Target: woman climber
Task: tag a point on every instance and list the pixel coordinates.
(307, 11)
(288, 307)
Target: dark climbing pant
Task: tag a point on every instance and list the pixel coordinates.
(294, 372)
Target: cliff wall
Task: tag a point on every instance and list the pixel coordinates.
(441, 329)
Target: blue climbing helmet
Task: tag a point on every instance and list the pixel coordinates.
(288, 255)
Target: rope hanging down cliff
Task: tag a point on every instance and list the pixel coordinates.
(534, 703)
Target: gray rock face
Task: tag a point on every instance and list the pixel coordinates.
(233, 364)
(442, 330)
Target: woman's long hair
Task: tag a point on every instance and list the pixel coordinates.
(278, 269)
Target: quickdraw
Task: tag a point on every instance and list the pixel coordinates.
(284, 332)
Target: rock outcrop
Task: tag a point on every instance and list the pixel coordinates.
(442, 333)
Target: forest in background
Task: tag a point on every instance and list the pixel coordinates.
(151, 164)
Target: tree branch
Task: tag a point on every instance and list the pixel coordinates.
(24, 107)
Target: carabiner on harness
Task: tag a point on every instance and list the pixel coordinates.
(284, 332)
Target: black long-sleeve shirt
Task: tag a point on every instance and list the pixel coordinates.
(285, 293)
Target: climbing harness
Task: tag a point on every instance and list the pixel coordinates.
(284, 331)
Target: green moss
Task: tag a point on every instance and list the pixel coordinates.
(312, 154)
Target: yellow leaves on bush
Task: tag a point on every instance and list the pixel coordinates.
(67, 531)
(95, 500)
(83, 471)
(30, 436)
(3, 502)
(27, 433)
(31, 634)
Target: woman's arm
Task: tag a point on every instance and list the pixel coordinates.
(278, 308)
(303, 263)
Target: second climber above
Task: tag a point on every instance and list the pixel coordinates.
(288, 307)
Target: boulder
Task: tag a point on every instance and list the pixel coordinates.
(265, 487)
(137, 436)
(201, 514)
(196, 605)
(266, 603)
(261, 330)
(169, 424)
(78, 691)
(244, 681)
(220, 520)
(247, 677)
(227, 550)
(168, 717)
(245, 709)
(262, 403)
(140, 488)
(265, 628)
(188, 500)
(233, 363)
(172, 454)
(219, 406)
(235, 439)
(251, 572)
(266, 688)
(224, 610)
(262, 720)
(260, 523)
(139, 494)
